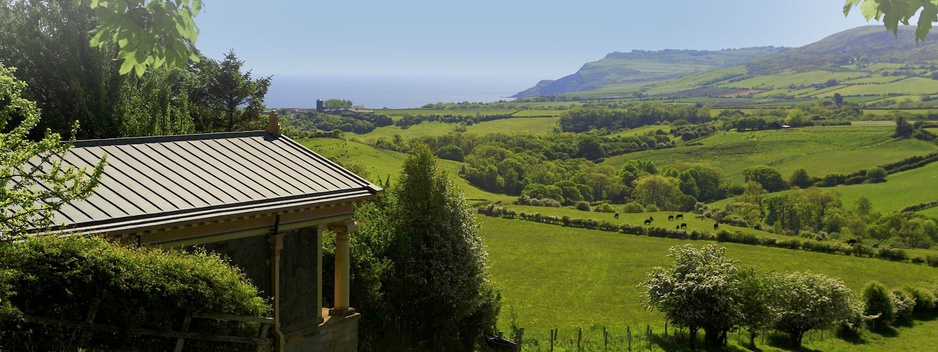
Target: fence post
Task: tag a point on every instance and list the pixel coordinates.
(648, 335)
(605, 339)
(551, 339)
(628, 332)
(92, 312)
(579, 337)
(665, 329)
(185, 328)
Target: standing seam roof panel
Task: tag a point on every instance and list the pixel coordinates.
(298, 178)
(125, 189)
(303, 162)
(234, 154)
(247, 174)
(325, 165)
(135, 171)
(172, 170)
(248, 191)
(205, 181)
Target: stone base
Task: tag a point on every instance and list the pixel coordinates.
(337, 333)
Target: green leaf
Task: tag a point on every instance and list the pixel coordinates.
(126, 66)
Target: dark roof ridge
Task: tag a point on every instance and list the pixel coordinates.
(168, 138)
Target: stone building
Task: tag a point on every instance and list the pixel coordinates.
(258, 197)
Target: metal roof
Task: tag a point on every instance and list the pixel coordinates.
(170, 179)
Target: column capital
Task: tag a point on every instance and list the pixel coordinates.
(346, 227)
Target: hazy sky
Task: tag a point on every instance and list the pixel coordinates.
(512, 38)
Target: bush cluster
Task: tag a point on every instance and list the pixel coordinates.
(140, 287)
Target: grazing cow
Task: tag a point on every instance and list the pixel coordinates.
(617, 215)
(700, 217)
(647, 221)
(651, 218)
(679, 217)
(716, 226)
(670, 217)
(683, 225)
(852, 241)
(677, 227)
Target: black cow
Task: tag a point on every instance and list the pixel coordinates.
(647, 221)
(616, 216)
(683, 225)
(651, 218)
(852, 241)
(716, 226)
(678, 227)
(670, 217)
(679, 217)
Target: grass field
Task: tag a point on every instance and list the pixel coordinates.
(382, 164)
(819, 150)
(556, 277)
(900, 190)
(539, 125)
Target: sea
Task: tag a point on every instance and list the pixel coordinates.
(393, 92)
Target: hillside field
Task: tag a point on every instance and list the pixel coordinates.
(565, 278)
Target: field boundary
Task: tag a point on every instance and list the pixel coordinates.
(858, 250)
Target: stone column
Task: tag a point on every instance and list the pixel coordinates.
(276, 245)
(342, 274)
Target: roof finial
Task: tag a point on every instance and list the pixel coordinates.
(273, 123)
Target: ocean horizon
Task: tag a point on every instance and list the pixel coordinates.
(393, 92)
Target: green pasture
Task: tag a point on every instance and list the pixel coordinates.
(641, 131)
(557, 277)
(538, 125)
(382, 164)
(900, 190)
(454, 112)
(911, 86)
(819, 150)
(788, 78)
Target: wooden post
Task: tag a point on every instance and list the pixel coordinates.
(605, 339)
(628, 332)
(92, 312)
(665, 329)
(551, 339)
(185, 328)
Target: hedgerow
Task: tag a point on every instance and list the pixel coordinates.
(133, 288)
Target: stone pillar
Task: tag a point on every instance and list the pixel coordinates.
(342, 274)
(276, 245)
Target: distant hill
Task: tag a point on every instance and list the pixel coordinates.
(862, 45)
(852, 58)
(642, 66)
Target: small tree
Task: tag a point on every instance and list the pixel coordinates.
(438, 286)
(30, 195)
(799, 178)
(699, 292)
(878, 303)
(770, 179)
(810, 301)
(757, 302)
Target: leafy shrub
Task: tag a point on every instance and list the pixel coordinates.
(583, 206)
(905, 304)
(878, 303)
(137, 287)
(633, 207)
(924, 300)
(606, 208)
(651, 208)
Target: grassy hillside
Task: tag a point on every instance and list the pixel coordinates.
(382, 164)
(819, 150)
(556, 277)
(867, 65)
(642, 66)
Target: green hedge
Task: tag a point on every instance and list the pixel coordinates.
(137, 287)
(830, 247)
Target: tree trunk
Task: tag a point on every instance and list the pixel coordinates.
(693, 337)
(752, 339)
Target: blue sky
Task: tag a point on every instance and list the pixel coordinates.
(507, 38)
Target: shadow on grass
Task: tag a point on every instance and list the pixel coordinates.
(680, 343)
(782, 341)
(885, 330)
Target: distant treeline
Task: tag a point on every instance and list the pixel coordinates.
(644, 114)
(410, 120)
(346, 122)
